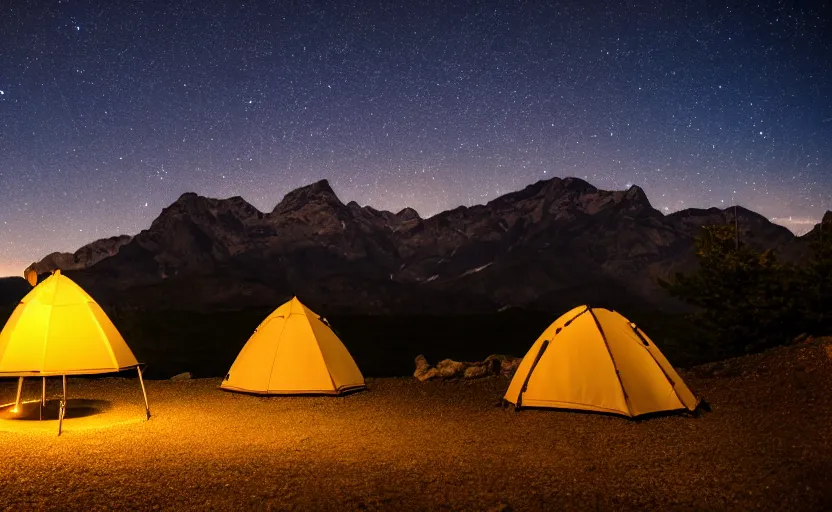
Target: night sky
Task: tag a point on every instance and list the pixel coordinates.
(110, 110)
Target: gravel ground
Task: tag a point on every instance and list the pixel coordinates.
(403, 445)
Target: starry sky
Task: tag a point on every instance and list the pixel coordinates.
(110, 110)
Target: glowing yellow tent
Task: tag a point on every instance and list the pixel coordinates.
(59, 330)
(293, 351)
(594, 359)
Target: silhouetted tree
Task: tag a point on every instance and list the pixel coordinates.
(816, 281)
(746, 299)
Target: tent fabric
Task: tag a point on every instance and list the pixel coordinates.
(594, 359)
(293, 352)
(58, 329)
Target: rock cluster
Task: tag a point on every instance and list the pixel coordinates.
(494, 364)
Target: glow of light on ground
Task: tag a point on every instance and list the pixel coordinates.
(26, 421)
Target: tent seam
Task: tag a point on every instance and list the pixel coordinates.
(666, 376)
(545, 345)
(48, 322)
(277, 347)
(537, 358)
(318, 345)
(104, 334)
(612, 359)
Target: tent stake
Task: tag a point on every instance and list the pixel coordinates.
(144, 393)
(19, 389)
(62, 410)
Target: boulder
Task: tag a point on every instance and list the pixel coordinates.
(494, 364)
(477, 371)
(504, 364)
(421, 363)
(448, 368)
(509, 367)
(424, 371)
(182, 376)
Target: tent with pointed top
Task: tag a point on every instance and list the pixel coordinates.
(57, 329)
(594, 359)
(293, 351)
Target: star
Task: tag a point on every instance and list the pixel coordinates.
(415, 115)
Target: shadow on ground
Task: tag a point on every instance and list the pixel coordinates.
(75, 408)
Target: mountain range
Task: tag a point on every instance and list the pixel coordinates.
(552, 245)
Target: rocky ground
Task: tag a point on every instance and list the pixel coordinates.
(405, 445)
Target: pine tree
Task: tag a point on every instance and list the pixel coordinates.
(817, 281)
(746, 300)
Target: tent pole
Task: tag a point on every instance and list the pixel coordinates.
(62, 409)
(615, 366)
(42, 400)
(19, 390)
(664, 372)
(144, 393)
(519, 402)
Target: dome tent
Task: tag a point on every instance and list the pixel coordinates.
(594, 359)
(293, 351)
(58, 329)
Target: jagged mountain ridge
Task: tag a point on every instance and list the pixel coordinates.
(552, 244)
(84, 257)
(823, 228)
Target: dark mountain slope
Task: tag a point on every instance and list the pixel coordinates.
(553, 244)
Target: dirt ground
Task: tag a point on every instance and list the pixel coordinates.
(402, 445)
